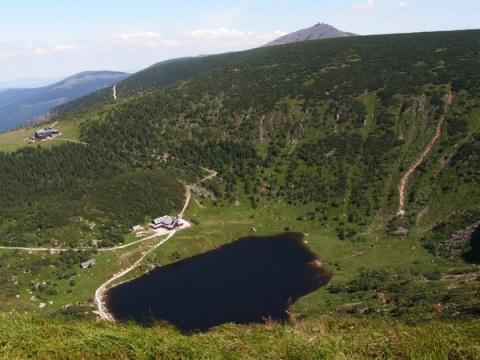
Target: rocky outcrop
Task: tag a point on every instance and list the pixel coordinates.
(459, 241)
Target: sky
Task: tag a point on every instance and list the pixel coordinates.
(53, 39)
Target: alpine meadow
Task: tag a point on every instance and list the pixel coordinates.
(368, 145)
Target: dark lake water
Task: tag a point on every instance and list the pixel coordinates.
(245, 281)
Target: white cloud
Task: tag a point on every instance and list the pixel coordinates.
(220, 33)
(137, 38)
(172, 43)
(227, 34)
(221, 39)
(19, 50)
(271, 36)
(137, 41)
(13, 51)
(362, 7)
(68, 48)
(40, 51)
(6, 52)
(404, 4)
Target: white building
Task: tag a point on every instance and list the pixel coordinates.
(166, 222)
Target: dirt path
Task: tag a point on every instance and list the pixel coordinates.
(99, 294)
(102, 312)
(404, 181)
(114, 92)
(158, 232)
(71, 140)
(52, 250)
(188, 190)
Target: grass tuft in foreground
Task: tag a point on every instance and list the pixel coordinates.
(331, 337)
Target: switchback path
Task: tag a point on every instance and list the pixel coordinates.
(403, 182)
(99, 293)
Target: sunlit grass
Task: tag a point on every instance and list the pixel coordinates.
(13, 140)
(330, 337)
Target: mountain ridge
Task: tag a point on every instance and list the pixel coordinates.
(165, 72)
(21, 105)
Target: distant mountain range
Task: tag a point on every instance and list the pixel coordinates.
(173, 70)
(18, 106)
(27, 83)
(21, 105)
(316, 32)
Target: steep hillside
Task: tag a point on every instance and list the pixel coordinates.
(335, 122)
(316, 32)
(152, 78)
(369, 144)
(20, 105)
(170, 71)
(331, 126)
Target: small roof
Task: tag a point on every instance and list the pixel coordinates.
(88, 263)
(167, 220)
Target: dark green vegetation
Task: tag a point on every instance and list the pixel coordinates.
(154, 77)
(114, 204)
(312, 137)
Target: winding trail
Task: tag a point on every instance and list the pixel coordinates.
(52, 250)
(114, 92)
(102, 311)
(403, 182)
(71, 140)
(158, 232)
(188, 188)
(99, 293)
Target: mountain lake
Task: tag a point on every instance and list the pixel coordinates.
(248, 280)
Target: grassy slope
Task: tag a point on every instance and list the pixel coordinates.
(69, 127)
(29, 336)
(14, 140)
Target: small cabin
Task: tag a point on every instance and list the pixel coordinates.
(46, 132)
(166, 222)
(87, 264)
